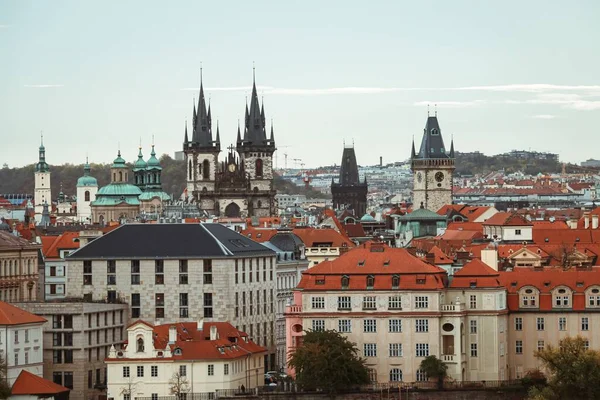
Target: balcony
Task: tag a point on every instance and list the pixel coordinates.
(452, 307)
(293, 309)
(449, 358)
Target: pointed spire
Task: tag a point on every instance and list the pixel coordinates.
(218, 143)
(255, 133)
(413, 154)
(452, 147)
(41, 139)
(272, 134)
(202, 128)
(262, 110)
(239, 136)
(194, 120)
(186, 139)
(209, 115)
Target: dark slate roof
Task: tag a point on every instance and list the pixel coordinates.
(202, 123)
(255, 133)
(349, 168)
(432, 144)
(143, 241)
(287, 241)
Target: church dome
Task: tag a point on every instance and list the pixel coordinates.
(367, 218)
(119, 162)
(119, 189)
(153, 162)
(140, 164)
(86, 179)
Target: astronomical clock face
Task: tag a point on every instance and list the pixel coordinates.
(231, 167)
(419, 177)
(439, 176)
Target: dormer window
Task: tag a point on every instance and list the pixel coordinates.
(395, 282)
(370, 281)
(435, 132)
(177, 352)
(529, 298)
(593, 298)
(140, 345)
(562, 297)
(345, 282)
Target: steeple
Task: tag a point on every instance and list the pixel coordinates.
(86, 168)
(413, 154)
(432, 144)
(254, 130)
(218, 141)
(239, 136)
(272, 140)
(348, 168)
(451, 148)
(41, 166)
(185, 138)
(202, 134)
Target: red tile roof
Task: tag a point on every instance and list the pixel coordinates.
(439, 257)
(507, 219)
(11, 315)
(476, 274)
(465, 226)
(353, 230)
(30, 384)
(51, 245)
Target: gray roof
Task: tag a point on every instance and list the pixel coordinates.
(176, 241)
(255, 132)
(286, 241)
(432, 144)
(349, 168)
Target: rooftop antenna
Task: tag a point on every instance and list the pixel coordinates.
(200, 72)
(435, 108)
(253, 71)
(42, 137)
(428, 110)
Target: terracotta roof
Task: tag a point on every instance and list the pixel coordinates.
(507, 219)
(549, 225)
(313, 237)
(353, 230)
(373, 259)
(30, 384)
(8, 241)
(11, 315)
(476, 274)
(439, 257)
(565, 236)
(465, 226)
(259, 235)
(51, 245)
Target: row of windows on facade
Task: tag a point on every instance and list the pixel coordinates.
(15, 295)
(65, 321)
(584, 323)
(370, 279)
(159, 304)
(20, 334)
(12, 267)
(204, 169)
(370, 302)
(249, 275)
(561, 297)
(251, 309)
(150, 177)
(370, 325)
(267, 339)
(236, 367)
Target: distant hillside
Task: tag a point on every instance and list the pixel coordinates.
(478, 163)
(20, 180)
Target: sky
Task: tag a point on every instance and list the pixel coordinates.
(96, 76)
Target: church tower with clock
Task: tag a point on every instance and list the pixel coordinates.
(433, 167)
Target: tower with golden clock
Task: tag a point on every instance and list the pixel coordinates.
(433, 168)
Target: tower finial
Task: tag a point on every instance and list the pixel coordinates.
(153, 140)
(435, 108)
(42, 137)
(200, 72)
(428, 110)
(253, 72)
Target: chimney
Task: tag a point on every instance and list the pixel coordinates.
(595, 221)
(200, 325)
(489, 256)
(380, 161)
(586, 220)
(172, 334)
(214, 335)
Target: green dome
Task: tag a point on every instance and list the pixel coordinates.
(140, 164)
(149, 195)
(153, 162)
(367, 218)
(86, 179)
(119, 162)
(119, 189)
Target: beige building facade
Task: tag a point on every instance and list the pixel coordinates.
(19, 274)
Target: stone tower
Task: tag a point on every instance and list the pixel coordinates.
(433, 167)
(43, 192)
(87, 187)
(349, 193)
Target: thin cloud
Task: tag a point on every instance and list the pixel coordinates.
(228, 89)
(543, 116)
(43, 86)
(451, 104)
(5, 26)
(570, 101)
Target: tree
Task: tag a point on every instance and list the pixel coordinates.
(327, 360)
(130, 388)
(179, 385)
(4, 387)
(435, 368)
(573, 369)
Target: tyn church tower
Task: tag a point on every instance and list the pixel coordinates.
(241, 186)
(432, 168)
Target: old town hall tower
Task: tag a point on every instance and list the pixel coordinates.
(432, 167)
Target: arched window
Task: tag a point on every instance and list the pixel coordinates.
(529, 297)
(205, 169)
(395, 282)
(593, 297)
(370, 281)
(120, 176)
(562, 297)
(87, 195)
(140, 345)
(345, 282)
(190, 170)
(259, 167)
(114, 176)
(395, 375)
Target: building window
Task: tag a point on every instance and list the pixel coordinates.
(519, 347)
(395, 303)
(518, 324)
(562, 298)
(370, 350)
(135, 305)
(16, 337)
(126, 396)
(205, 169)
(68, 380)
(586, 345)
(140, 371)
(395, 349)
(111, 272)
(159, 304)
(540, 345)
(344, 303)
(395, 375)
(236, 272)
(250, 276)
(135, 272)
(370, 326)
(594, 298)
(529, 298)
(585, 323)
(183, 272)
(183, 305)
(421, 302)
(318, 302)
(159, 272)
(562, 323)
(208, 305)
(90, 380)
(395, 325)
(318, 325)
(182, 370)
(370, 282)
(226, 369)
(473, 326)
(57, 356)
(421, 376)
(422, 349)
(68, 356)
(57, 322)
(57, 378)
(369, 303)
(395, 282)
(57, 339)
(472, 301)
(421, 325)
(154, 370)
(125, 372)
(207, 268)
(473, 349)
(211, 369)
(68, 321)
(154, 396)
(345, 282)
(345, 326)
(259, 167)
(517, 232)
(540, 323)
(87, 272)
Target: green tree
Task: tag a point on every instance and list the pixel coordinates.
(4, 387)
(573, 370)
(435, 368)
(327, 360)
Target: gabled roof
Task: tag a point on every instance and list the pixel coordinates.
(30, 384)
(507, 219)
(51, 245)
(143, 241)
(476, 274)
(11, 315)
(432, 143)
(439, 257)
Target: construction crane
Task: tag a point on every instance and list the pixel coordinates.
(276, 153)
(296, 161)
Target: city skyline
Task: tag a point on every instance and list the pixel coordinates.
(98, 78)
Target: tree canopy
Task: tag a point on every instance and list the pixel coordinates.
(327, 360)
(573, 369)
(434, 368)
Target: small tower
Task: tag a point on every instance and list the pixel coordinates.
(433, 168)
(43, 192)
(153, 172)
(139, 171)
(87, 188)
(349, 192)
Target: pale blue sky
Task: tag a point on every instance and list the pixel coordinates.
(92, 74)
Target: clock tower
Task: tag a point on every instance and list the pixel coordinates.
(433, 167)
